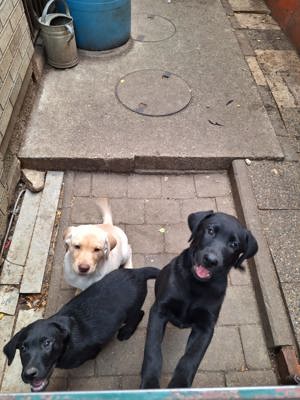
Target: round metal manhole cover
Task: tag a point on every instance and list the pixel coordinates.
(153, 92)
(151, 28)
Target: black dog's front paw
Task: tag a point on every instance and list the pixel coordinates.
(178, 382)
(150, 383)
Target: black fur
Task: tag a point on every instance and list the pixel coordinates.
(188, 299)
(79, 330)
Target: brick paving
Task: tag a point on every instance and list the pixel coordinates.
(142, 205)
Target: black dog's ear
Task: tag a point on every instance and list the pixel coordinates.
(195, 219)
(10, 348)
(63, 323)
(250, 248)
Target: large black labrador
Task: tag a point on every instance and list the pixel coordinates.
(190, 291)
(79, 330)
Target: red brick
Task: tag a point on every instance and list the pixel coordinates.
(145, 238)
(82, 184)
(194, 205)
(212, 185)
(225, 204)
(109, 185)
(144, 186)
(127, 211)
(162, 211)
(178, 187)
(177, 238)
(85, 211)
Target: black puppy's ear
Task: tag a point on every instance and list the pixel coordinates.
(195, 219)
(63, 323)
(10, 348)
(250, 248)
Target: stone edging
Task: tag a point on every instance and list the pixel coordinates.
(275, 317)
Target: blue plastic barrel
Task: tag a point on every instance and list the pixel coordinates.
(101, 24)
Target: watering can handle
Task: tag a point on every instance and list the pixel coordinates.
(50, 2)
(70, 29)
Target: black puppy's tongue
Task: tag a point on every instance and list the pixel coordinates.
(38, 384)
(202, 272)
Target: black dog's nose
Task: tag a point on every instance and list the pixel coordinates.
(210, 260)
(31, 372)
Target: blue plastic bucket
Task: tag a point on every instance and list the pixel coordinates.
(101, 24)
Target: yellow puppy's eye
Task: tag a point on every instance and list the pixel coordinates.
(97, 249)
(77, 246)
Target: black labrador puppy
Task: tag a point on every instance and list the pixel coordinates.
(79, 330)
(190, 291)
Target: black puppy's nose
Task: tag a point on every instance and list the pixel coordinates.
(31, 372)
(210, 260)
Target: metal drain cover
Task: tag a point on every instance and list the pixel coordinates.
(151, 28)
(153, 92)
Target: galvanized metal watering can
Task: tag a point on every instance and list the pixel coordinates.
(58, 37)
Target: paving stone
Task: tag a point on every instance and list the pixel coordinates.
(117, 358)
(276, 184)
(254, 346)
(127, 211)
(144, 186)
(148, 303)
(201, 380)
(11, 274)
(256, 21)
(291, 148)
(292, 81)
(84, 371)
(82, 184)
(244, 43)
(268, 40)
(278, 61)
(23, 232)
(239, 307)
(255, 6)
(158, 260)
(292, 297)
(178, 186)
(216, 357)
(256, 71)
(138, 260)
(281, 229)
(162, 211)
(194, 205)
(251, 378)
(6, 327)
(99, 383)
(177, 237)
(240, 278)
(109, 185)
(291, 118)
(12, 382)
(86, 211)
(213, 185)
(38, 252)
(225, 204)
(62, 297)
(57, 385)
(280, 91)
(145, 238)
(9, 296)
(68, 186)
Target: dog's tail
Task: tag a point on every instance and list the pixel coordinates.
(105, 211)
(148, 272)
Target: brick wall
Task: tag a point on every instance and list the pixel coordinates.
(16, 51)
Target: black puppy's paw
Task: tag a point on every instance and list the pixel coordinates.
(124, 333)
(178, 382)
(150, 383)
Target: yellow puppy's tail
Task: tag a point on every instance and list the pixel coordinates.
(105, 211)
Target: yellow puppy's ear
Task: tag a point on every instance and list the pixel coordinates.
(68, 237)
(110, 243)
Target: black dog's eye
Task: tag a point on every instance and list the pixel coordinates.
(234, 245)
(23, 348)
(77, 246)
(210, 230)
(47, 343)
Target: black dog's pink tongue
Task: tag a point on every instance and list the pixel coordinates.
(38, 384)
(202, 272)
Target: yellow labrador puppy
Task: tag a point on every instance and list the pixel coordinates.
(92, 251)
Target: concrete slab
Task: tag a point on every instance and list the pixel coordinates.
(37, 257)
(9, 296)
(255, 6)
(257, 21)
(78, 123)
